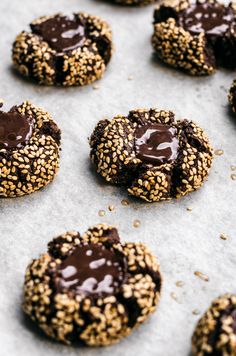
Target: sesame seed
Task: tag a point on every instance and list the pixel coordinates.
(219, 152)
(125, 202)
(101, 212)
(196, 312)
(223, 236)
(179, 283)
(136, 223)
(202, 276)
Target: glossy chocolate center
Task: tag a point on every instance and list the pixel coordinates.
(62, 33)
(212, 18)
(92, 270)
(156, 144)
(15, 130)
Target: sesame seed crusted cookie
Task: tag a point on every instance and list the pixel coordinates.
(215, 334)
(152, 155)
(135, 2)
(92, 288)
(64, 50)
(195, 36)
(232, 96)
(29, 150)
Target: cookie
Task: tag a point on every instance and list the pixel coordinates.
(29, 150)
(64, 50)
(92, 288)
(232, 96)
(152, 155)
(196, 37)
(215, 334)
(135, 2)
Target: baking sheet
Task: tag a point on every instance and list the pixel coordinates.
(184, 241)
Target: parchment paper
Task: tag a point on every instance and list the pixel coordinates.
(184, 241)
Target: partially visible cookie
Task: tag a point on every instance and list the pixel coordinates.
(92, 288)
(215, 334)
(135, 2)
(64, 50)
(195, 36)
(29, 150)
(152, 155)
(232, 96)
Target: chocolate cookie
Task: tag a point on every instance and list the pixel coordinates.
(151, 154)
(232, 96)
(92, 288)
(63, 50)
(196, 37)
(215, 334)
(29, 150)
(135, 2)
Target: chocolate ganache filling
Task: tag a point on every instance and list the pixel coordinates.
(62, 33)
(156, 143)
(92, 269)
(15, 130)
(209, 17)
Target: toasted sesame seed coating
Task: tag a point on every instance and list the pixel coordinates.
(232, 96)
(35, 58)
(70, 316)
(193, 53)
(113, 154)
(215, 334)
(29, 168)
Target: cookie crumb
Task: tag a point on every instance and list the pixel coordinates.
(223, 236)
(136, 223)
(111, 207)
(125, 202)
(233, 176)
(201, 275)
(101, 213)
(219, 152)
(179, 283)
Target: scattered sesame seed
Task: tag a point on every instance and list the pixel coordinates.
(223, 236)
(130, 77)
(196, 312)
(101, 213)
(111, 207)
(125, 202)
(96, 86)
(201, 275)
(218, 152)
(174, 296)
(136, 223)
(189, 208)
(233, 168)
(233, 176)
(179, 283)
